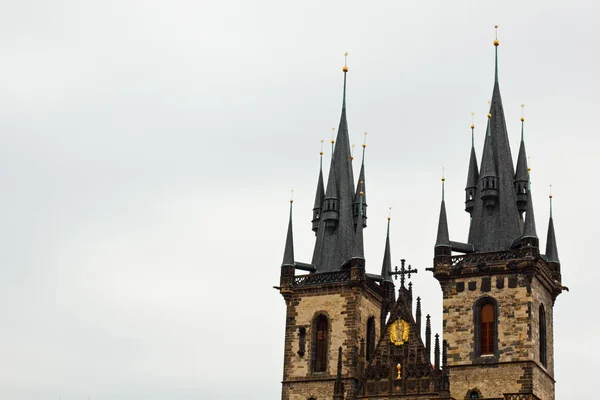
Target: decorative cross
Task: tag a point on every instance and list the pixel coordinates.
(403, 271)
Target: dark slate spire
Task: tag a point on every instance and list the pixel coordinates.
(319, 196)
(472, 176)
(443, 238)
(428, 336)
(495, 220)
(288, 254)
(335, 235)
(529, 230)
(338, 386)
(418, 316)
(386, 268)
(361, 186)
(551, 248)
(437, 352)
(521, 176)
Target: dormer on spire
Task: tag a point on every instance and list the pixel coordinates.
(331, 203)
(442, 244)
(361, 187)
(288, 254)
(472, 175)
(521, 175)
(551, 247)
(319, 196)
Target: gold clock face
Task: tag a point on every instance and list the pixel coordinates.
(399, 331)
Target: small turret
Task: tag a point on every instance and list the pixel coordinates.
(472, 175)
(442, 243)
(530, 237)
(489, 178)
(288, 263)
(319, 196)
(551, 247)
(361, 187)
(521, 175)
(331, 205)
(428, 337)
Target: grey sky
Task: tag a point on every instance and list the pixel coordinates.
(147, 150)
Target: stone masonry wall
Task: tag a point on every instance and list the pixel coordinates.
(348, 309)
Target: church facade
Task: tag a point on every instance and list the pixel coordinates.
(353, 335)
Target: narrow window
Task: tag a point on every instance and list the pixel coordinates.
(486, 329)
(474, 395)
(543, 346)
(320, 363)
(370, 338)
(301, 341)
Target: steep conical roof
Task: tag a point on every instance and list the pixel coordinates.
(529, 225)
(551, 247)
(361, 185)
(334, 246)
(521, 174)
(386, 268)
(320, 194)
(288, 254)
(443, 238)
(473, 173)
(495, 229)
(359, 247)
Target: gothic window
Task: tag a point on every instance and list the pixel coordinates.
(370, 338)
(543, 345)
(474, 395)
(320, 354)
(486, 326)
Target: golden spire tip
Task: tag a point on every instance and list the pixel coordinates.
(496, 41)
(345, 69)
(522, 112)
(292, 196)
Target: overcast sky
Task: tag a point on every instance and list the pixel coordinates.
(147, 150)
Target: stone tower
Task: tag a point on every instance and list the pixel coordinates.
(339, 341)
(499, 293)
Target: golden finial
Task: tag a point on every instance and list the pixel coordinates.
(399, 368)
(390, 213)
(522, 112)
(529, 164)
(489, 115)
(443, 175)
(361, 188)
(352, 152)
(332, 134)
(292, 196)
(345, 69)
(472, 120)
(496, 41)
(365, 141)
(321, 152)
(550, 191)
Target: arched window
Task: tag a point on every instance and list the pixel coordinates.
(543, 345)
(370, 338)
(474, 395)
(487, 329)
(485, 315)
(321, 332)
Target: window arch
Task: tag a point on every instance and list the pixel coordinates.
(321, 330)
(543, 344)
(485, 314)
(370, 337)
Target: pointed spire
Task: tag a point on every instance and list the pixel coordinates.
(529, 225)
(443, 238)
(288, 255)
(386, 268)
(418, 316)
(551, 247)
(522, 175)
(437, 352)
(361, 187)
(319, 195)
(472, 174)
(428, 336)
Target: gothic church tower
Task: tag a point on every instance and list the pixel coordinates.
(498, 295)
